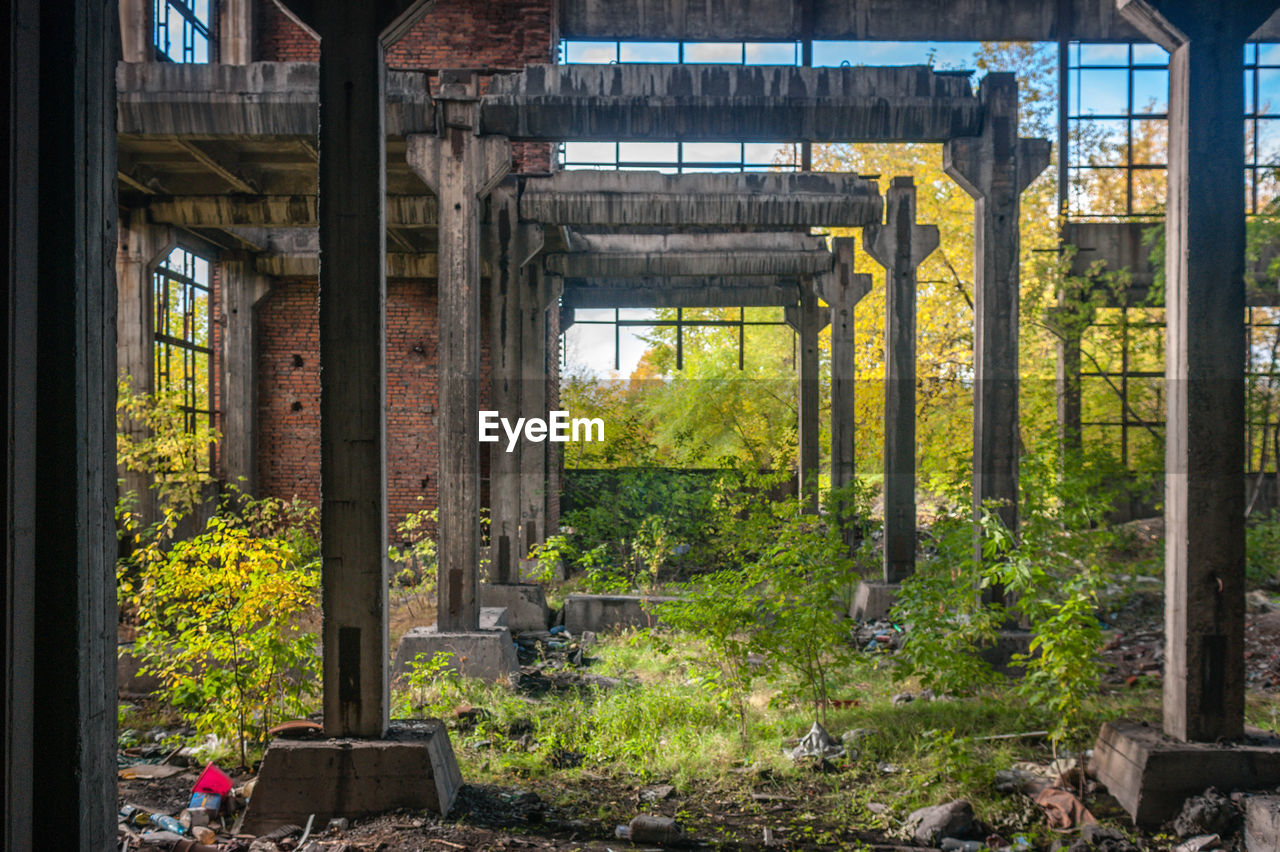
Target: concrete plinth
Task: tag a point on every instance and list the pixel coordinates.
(526, 605)
(494, 618)
(1262, 823)
(872, 601)
(486, 654)
(413, 768)
(601, 613)
(999, 655)
(1151, 775)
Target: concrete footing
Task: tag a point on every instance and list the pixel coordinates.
(486, 654)
(602, 613)
(526, 604)
(873, 600)
(413, 768)
(1262, 823)
(1151, 775)
(1000, 654)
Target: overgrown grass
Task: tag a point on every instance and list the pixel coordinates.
(666, 725)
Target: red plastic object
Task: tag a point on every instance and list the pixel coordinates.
(213, 780)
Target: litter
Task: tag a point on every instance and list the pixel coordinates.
(818, 744)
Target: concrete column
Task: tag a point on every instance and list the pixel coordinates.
(1205, 360)
(235, 31)
(1068, 390)
(353, 489)
(242, 289)
(460, 168)
(59, 595)
(994, 169)
(807, 372)
(841, 289)
(541, 293)
(509, 245)
(139, 246)
(135, 30)
(900, 246)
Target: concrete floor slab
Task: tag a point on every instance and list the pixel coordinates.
(1151, 775)
(413, 767)
(602, 613)
(525, 603)
(486, 654)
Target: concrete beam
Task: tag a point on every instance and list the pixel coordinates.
(275, 211)
(900, 246)
(461, 168)
(739, 103)
(257, 99)
(1205, 363)
(994, 168)
(646, 255)
(706, 292)
(853, 20)
(770, 199)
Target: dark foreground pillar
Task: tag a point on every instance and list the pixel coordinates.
(58, 355)
(352, 215)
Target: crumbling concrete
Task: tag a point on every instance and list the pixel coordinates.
(487, 654)
(601, 613)
(413, 768)
(525, 604)
(1152, 775)
(1262, 823)
(873, 600)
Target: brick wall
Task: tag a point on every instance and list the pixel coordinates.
(452, 34)
(289, 396)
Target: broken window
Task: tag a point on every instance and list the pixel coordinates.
(180, 320)
(182, 30)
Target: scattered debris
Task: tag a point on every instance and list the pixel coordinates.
(646, 828)
(817, 744)
(931, 824)
(1210, 813)
(1203, 843)
(657, 793)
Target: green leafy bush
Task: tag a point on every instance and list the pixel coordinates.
(221, 621)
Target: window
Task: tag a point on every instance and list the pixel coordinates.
(181, 323)
(1117, 114)
(182, 30)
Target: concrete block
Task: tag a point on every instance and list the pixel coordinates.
(526, 605)
(413, 768)
(601, 613)
(494, 617)
(486, 654)
(872, 601)
(1151, 775)
(1000, 653)
(129, 677)
(1262, 823)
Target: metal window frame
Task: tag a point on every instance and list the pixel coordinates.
(192, 27)
(165, 345)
